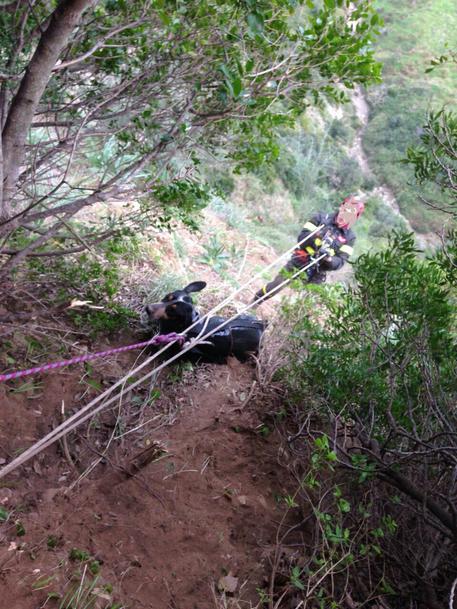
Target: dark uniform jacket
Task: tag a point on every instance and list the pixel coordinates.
(337, 241)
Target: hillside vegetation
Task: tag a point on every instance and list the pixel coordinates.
(317, 165)
(149, 144)
(414, 34)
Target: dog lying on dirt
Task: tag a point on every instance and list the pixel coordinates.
(176, 312)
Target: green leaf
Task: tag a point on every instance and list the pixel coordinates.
(225, 71)
(255, 23)
(20, 530)
(344, 505)
(375, 19)
(237, 87)
(249, 65)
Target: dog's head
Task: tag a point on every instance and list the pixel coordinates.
(176, 307)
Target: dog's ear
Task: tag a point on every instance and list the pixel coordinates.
(195, 286)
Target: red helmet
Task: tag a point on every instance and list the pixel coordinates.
(356, 204)
(350, 209)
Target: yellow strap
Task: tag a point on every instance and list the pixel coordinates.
(309, 249)
(264, 289)
(310, 226)
(318, 241)
(347, 249)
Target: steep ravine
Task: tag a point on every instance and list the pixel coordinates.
(383, 191)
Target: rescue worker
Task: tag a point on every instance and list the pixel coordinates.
(335, 239)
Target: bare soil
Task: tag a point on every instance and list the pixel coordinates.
(190, 498)
(170, 500)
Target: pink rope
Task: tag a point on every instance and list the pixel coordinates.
(161, 339)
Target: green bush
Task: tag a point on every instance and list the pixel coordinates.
(340, 131)
(222, 182)
(161, 285)
(96, 279)
(396, 295)
(316, 170)
(236, 217)
(379, 375)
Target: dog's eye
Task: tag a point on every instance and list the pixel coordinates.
(169, 297)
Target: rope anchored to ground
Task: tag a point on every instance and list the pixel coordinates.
(89, 411)
(160, 339)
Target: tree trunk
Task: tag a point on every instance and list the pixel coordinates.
(23, 106)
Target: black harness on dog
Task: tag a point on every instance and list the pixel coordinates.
(239, 337)
(176, 313)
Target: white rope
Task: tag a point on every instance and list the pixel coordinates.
(451, 596)
(64, 428)
(77, 419)
(163, 349)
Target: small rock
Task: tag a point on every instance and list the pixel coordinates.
(228, 583)
(243, 500)
(6, 495)
(263, 502)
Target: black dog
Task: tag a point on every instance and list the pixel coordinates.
(176, 312)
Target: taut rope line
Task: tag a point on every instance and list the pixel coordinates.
(77, 419)
(160, 339)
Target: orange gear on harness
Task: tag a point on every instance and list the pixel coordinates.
(303, 255)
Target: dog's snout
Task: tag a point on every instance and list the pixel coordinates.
(155, 311)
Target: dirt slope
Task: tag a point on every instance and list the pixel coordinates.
(164, 531)
(188, 498)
